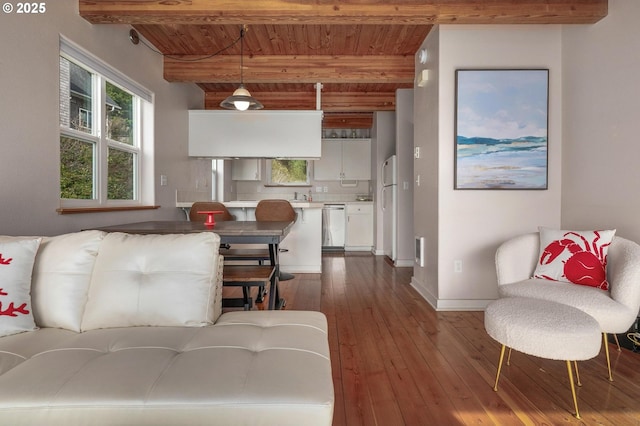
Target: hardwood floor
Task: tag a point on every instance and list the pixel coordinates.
(398, 362)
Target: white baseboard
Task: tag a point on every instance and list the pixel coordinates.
(404, 263)
(450, 304)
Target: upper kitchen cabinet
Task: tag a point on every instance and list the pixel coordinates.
(246, 169)
(344, 159)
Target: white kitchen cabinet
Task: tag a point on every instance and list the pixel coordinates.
(344, 159)
(303, 243)
(359, 235)
(246, 169)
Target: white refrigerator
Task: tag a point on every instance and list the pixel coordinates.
(389, 197)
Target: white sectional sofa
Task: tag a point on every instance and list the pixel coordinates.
(127, 330)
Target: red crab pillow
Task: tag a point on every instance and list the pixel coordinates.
(578, 257)
(16, 264)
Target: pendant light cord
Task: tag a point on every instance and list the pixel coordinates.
(242, 55)
(201, 58)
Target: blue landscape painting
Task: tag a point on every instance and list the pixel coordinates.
(501, 129)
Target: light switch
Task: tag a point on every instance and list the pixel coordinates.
(163, 180)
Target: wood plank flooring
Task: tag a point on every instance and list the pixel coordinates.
(396, 361)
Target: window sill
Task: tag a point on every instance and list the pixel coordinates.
(77, 210)
(273, 185)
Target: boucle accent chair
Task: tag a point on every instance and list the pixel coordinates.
(545, 329)
(615, 309)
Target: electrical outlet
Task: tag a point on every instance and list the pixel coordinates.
(163, 180)
(326, 189)
(318, 189)
(416, 152)
(457, 266)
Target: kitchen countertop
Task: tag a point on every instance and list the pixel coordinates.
(295, 204)
(254, 203)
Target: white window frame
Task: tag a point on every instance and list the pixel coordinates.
(142, 147)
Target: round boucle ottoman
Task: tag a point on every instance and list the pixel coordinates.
(545, 329)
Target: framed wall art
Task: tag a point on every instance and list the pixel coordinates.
(501, 128)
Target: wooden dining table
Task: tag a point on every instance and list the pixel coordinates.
(230, 232)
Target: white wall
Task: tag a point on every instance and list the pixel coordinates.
(471, 224)
(404, 152)
(601, 172)
(29, 82)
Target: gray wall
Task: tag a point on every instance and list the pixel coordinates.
(29, 82)
(601, 146)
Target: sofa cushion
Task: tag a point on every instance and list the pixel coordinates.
(16, 266)
(61, 278)
(153, 280)
(595, 302)
(269, 367)
(579, 257)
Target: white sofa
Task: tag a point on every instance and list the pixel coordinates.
(129, 331)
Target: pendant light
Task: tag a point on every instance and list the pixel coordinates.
(241, 99)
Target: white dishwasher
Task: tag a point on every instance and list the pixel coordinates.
(333, 226)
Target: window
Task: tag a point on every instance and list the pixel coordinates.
(288, 172)
(102, 143)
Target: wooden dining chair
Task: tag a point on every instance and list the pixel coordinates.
(276, 210)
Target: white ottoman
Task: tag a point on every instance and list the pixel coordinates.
(544, 329)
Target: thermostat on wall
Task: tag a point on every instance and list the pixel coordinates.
(420, 251)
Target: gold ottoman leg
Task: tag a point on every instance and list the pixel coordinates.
(495, 387)
(606, 351)
(573, 389)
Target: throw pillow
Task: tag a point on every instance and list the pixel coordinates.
(153, 280)
(16, 265)
(61, 278)
(578, 257)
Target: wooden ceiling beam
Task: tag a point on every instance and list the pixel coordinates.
(375, 12)
(362, 120)
(297, 69)
(330, 102)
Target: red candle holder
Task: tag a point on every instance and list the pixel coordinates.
(210, 219)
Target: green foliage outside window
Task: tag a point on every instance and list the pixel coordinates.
(289, 172)
(76, 169)
(119, 115)
(120, 180)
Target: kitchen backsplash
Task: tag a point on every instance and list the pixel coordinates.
(257, 191)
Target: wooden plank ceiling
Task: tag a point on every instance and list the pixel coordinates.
(360, 50)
